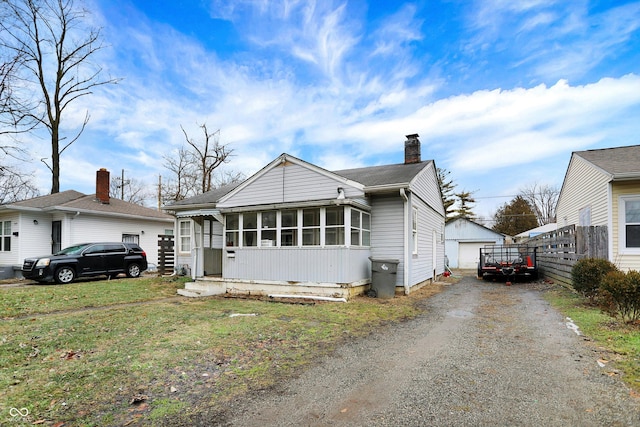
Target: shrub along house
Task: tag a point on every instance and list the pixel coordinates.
(297, 229)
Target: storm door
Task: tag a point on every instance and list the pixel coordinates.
(56, 236)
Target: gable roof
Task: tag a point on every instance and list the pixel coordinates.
(620, 162)
(75, 201)
(386, 176)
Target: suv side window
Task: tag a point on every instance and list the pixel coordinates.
(114, 248)
(94, 250)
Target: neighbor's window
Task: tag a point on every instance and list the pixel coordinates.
(131, 238)
(631, 209)
(232, 227)
(334, 227)
(360, 228)
(289, 228)
(268, 229)
(414, 229)
(185, 235)
(250, 229)
(5, 236)
(311, 227)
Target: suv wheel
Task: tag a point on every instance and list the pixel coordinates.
(133, 270)
(65, 275)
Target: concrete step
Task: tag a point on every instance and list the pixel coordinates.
(202, 289)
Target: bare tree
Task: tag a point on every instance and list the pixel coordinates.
(543, 199)
(56, 46)
(194, 167)
(15, 185)
(130, 190)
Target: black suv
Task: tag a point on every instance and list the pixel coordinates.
(87, 259)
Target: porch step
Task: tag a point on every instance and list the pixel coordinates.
(202, 289)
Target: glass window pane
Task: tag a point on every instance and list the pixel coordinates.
(232, 221)
(633, 236)
(250, 238)
(250, 221)
(355, 237)
(632, 211)
(366, 221)
(232, 238)
(334, 236)
(335, 216)
(7, 228)
(268, 238)
(311, 217)
(311, 237)
(366, 238)
(269, 219)
(289, 218)
(355, 218)
(289, 237)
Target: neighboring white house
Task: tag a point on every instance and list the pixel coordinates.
(46, 224)
(296, 228)
(526, 235)
(463, 241)
(602, 188)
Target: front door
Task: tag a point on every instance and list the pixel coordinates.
(56, 236)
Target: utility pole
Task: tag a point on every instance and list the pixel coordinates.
(122, 184)
(159, 191)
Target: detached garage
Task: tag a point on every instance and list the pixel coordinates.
(463, 240)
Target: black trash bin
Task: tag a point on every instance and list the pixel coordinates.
(383, 277)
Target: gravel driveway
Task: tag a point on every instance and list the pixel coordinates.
(482, 354)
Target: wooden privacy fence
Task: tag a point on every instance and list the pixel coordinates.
(558, 251)
(165, 254)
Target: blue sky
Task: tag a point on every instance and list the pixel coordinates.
(500, 91)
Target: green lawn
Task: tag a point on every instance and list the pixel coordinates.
(126, 350)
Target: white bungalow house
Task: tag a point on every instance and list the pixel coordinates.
(602, 188)
(464, 238)
(294, 228)
(46, 224)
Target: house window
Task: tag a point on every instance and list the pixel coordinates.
(311, 227)
(232, 226)
(414, 229)
(630, 222)
(185, 235)
(289, 228)
(131, 238)
(5, 236)
(250, 229)
(268, 228)
(334, 226)
(360, 228)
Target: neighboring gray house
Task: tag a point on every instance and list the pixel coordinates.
(297, 229)
(463, 241)
(46, 224)
(602, 188)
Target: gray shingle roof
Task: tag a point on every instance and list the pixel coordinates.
(72, 199)
(618, 161)
(384, 175)
(206, 198)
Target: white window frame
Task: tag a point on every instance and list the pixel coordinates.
(622, 225)
(184, 238)
(359, 229)
(5, 236)
(414, 229)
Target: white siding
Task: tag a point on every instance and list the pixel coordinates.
(317, 265)
(289, 182)
(387, 228)
(426, 186)
(585, 186)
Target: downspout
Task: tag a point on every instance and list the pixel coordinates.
(405, 276)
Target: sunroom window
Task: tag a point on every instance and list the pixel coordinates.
(334, 228)
(311, 227)
(289, 228)
(360, 228)
(250, 229)
(232, 225)
(268, 228)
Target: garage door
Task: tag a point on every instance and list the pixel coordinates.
(469, 253)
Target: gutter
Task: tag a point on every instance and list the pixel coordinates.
(405, 227)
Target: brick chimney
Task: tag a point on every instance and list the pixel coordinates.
(102, 186)
(412, 149)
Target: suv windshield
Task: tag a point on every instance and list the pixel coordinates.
(72, 250)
